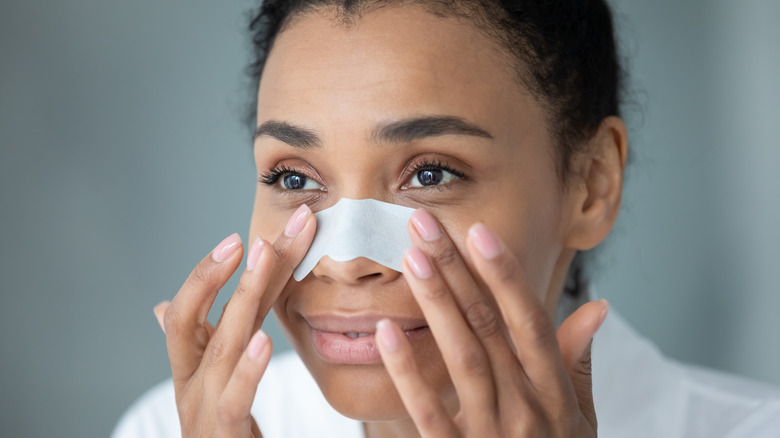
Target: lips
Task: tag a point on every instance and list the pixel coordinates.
(350, 340)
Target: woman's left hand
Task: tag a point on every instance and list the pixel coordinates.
(514, 375)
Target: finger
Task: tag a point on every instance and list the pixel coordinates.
(575, 337)
(420, 400)
(259, 287)
(462, 352)
(481, 316)
(239, 314)
(530, 328)
(289, 249)
(234, 406)
(159, 313)
(184, 320)
(577, 331)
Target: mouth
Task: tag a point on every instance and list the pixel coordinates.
(351, 340)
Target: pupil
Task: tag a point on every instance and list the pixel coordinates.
(430, 177)
(294, 182)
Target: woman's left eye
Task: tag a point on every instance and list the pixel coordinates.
(433, 176)
(297, 181)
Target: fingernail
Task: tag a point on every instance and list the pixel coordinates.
(387, 335)
(257, 344)
(426, 225)
(297, 221)
(485, 242)
(604, 313)
(226, 248)
(160, 315)
(419, 263)
(254, 254)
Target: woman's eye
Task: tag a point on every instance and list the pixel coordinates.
(432, 177)
(296, 181)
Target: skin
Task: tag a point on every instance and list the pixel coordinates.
(492, 355)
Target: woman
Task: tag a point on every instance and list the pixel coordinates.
(499, 123)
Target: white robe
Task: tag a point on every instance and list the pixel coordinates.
(638, 393)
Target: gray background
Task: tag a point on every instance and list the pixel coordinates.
(123, 161)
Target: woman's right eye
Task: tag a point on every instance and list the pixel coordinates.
(286, 179)
(297, 181)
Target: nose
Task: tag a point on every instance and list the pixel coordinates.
(353, 272)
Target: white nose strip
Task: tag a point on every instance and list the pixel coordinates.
(356, 228)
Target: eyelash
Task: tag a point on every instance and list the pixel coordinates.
(272, 176)
(430, 164)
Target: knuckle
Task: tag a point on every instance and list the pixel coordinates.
(225, 412)
(447, 256)
(172, 323)
(200, 276)
(280, 250)
(427, 417)
(218, 349)
(506, 269)
(242, 290)
(539, 325)
(435, 292)
(472, 361)
(532, 422)
(482, 319)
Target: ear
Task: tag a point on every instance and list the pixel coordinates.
(595, 201)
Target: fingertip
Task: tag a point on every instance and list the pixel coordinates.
(485, 242)
(386, 335)
(604, 312)
(159, 313)
(225, 249)
(258, 344)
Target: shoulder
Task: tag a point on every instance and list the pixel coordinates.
(742, 407)
(638, 392)
(153, 415)
(286, 392)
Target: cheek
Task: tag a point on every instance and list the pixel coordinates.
(267, 223)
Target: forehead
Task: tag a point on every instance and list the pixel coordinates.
(392, 62)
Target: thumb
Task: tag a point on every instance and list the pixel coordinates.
(575, 337)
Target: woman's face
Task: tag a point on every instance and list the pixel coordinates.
(416, 110)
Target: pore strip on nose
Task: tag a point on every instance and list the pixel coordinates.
(356, 228)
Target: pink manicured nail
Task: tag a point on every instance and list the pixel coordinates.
(485, 241)
(419, 263)
(254, 254)
(426, 225)
(297, 221)
(226, 248)
(257, 345)
(387, 335)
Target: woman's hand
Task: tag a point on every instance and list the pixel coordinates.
(216, 370)
(514, 376)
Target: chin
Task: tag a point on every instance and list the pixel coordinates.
(366, 392)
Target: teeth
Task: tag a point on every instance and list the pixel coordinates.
(355, 335)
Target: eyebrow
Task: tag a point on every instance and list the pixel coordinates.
(401, 131)
(296, 136)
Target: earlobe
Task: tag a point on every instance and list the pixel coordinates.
(596, 202)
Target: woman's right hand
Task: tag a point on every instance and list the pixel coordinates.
(216, 370)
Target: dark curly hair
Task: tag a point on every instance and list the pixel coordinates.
(563, 51)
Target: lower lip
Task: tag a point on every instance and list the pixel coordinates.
(340, 349)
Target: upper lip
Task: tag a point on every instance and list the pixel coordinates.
(365, 323)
